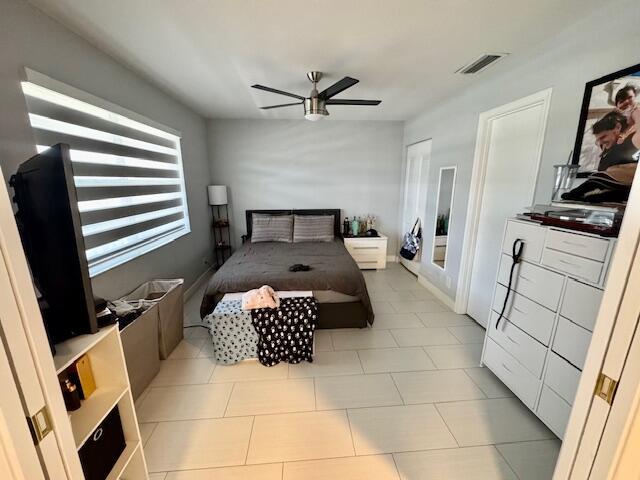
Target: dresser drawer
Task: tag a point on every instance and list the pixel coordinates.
(576, 244)
(581, 304)
(532, 235)
(579, 267)
(538, 284)
(526, 314)
(562, 377)
(571, 342)
(554, 411)
(512, 373)
(528, 351)
(365, 256)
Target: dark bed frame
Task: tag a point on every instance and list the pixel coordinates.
(336, 212)
(331, 315)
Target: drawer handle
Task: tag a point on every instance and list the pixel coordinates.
(365, 248)
(573, 244)
(568, 263)
(519, 311)
(512, 340)
(507, 368)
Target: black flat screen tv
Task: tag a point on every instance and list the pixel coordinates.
(49, 223)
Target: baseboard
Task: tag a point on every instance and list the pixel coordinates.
(439, 294)
(195, 286)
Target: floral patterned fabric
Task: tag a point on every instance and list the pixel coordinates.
(234, 338)
(286, 333)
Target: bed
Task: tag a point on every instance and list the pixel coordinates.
(335, 280)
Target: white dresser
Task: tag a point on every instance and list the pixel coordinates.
(539, 347)
(368, 252)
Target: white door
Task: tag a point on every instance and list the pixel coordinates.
(510, 150)
(415, 191)
(30, 365)
(599, 428)
(18, 456)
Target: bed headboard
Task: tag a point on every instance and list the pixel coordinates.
(336, 212)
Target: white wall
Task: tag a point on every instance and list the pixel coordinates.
(354, 166)
(30, 38)
(602, 43)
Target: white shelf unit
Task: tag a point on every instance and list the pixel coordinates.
(104, 350)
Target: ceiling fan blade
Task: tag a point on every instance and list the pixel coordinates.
(274, 90)
(339, 101)
(278, 106)
(336, 88)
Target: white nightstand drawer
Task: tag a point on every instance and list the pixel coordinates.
(571, 342)
(576, 244)
(528, 351)
(554, 411)
(581, 304)
(579, 267)
(360, 256)
(511, 372)
(368, 252)
(538, 284)
(362, 244)
(532, 236)
(526, 314)
(562, 377)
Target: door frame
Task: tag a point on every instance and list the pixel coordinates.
(478, 177)
(592, 417)
(29, 353)
(424, 170)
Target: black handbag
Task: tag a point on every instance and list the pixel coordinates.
(412, 241)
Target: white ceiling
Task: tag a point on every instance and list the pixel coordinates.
(404, 52)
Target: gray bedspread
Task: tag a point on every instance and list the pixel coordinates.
(257, 264)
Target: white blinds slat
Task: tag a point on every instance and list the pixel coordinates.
(44, 123)
(83, 156)
(56, 98)
(118, 202)
(108, 225)
(88, 181)
(131, 240)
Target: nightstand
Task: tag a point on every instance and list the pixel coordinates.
(368, 252)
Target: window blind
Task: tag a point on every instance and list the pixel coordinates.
(127, 173)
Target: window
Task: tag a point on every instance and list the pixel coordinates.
(127, 171)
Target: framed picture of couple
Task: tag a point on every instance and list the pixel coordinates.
(609, 126)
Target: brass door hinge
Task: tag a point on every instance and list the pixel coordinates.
(40, 425)
(606, 388)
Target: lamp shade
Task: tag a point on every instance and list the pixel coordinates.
(217, 194)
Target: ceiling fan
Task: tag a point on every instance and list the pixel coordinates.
(315, 105)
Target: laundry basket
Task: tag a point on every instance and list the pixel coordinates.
(167, 294)
(141, 352)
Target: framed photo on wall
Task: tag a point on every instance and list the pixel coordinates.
(609, 126)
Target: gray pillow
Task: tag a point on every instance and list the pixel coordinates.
(271, 228)
(313, 228)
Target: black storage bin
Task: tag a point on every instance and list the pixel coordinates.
(102, 449)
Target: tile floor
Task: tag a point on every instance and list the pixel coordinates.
(403, 400)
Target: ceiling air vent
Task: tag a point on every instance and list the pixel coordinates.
(481, 63)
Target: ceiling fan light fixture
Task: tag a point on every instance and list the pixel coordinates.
(315, 105)
(314, 109)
